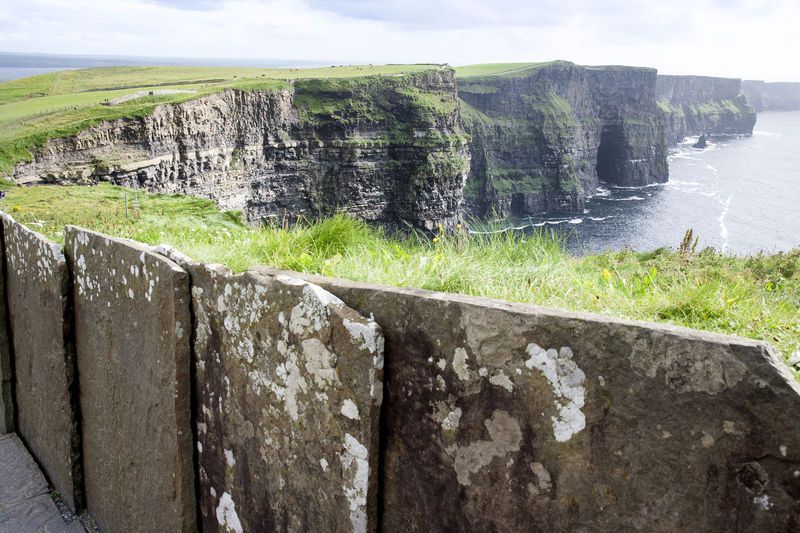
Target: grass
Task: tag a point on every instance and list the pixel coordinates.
(36, 109)
(498, 69)
(756, 297)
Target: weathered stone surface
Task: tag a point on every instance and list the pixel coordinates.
(507, 417)
(21, 479)
(6, 383)
(289, 388)
(37, 515)
(40, 315)
(25, 503)
(132, 324)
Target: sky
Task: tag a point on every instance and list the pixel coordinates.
(751, 39)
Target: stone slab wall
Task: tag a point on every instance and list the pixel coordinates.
(504, 417)
(488, 416)
(40, 316)
(6, 383)
(289, 389)
(132, 329)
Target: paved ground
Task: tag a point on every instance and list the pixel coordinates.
(25, 502)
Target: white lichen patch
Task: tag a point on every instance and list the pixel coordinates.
(320, 363)
(226, 514)
(313, 312)
(505, 436)
(501, 380)
(355, 468)
(229, 459)
(367, 333)
(544, 482)
(567, 381)
(350, 410)
(762, 502)
(460, 366)
(451, 421)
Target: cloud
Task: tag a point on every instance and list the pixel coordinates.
(448, 14)
(740, 38)
(189, 5)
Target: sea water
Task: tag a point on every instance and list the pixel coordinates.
(740, 195)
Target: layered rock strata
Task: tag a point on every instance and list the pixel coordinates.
(387, 149)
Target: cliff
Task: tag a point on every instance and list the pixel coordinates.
(697, 105)
(773, 96)
(387, 149)
(543, 137)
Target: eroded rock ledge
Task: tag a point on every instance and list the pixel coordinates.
(387, 149)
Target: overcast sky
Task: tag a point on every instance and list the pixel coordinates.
(756, 39)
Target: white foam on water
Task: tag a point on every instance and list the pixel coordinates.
(628, 199)
(600, 192)
(723, 229)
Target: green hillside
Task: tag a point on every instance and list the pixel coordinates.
(500, 69)
(36, 109)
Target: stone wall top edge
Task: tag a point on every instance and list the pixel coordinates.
(532, 310)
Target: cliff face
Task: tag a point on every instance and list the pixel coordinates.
(773, 96)
(387, 149)
(543, 138)
(697, 105)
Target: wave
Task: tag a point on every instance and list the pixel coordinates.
(723, 229)
(600, 192)
(684, 155)
(762, 133)
(686, 183)
(635, 188)
(627, 199)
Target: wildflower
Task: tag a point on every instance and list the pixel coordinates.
(441, 229)
(435, 240)
(458, 226)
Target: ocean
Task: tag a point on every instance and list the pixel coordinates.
(740, 195)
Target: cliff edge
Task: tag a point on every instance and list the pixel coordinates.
(389, 149)
(772, 96)
(699, 105)
(544, 136)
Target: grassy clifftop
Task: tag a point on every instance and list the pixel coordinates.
(36, 109)
(754, 297)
